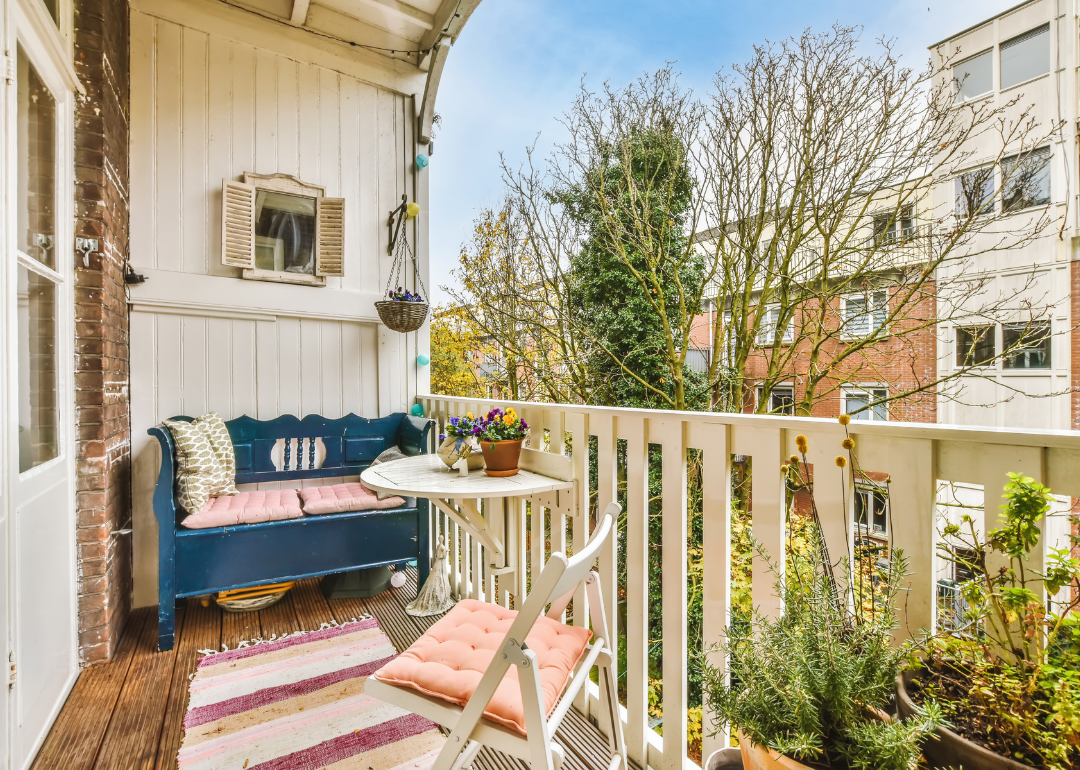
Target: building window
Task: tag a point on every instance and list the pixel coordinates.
(1025, 56)
(975, 345)
(872, 511)
(975, 192)
(1030, 343)
(865, 314)
(781, 399)
(37, 282)
(767, 331)
(1026, 180)
(866, 403)
(278, 228)
(894, 226)
(974, 77)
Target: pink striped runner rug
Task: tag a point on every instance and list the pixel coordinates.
(299, 703)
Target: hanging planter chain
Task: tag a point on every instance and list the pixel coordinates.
(401, 315)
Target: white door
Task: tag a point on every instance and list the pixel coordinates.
(38, 329)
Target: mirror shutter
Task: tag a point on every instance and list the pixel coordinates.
(330, 237)
(237, 224)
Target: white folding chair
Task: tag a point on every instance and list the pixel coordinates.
(471, 730)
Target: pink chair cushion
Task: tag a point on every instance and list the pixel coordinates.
(350, 496)
(448, 661)
(246, 508)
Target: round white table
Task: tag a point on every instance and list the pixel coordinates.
(427, 476)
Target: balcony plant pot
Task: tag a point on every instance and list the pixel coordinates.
(950, 749)
(453, 448)
(501, 457)
(724, 759)
(755, 757)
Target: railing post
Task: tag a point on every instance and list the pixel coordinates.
(673, 592)
(607, 492)
(767, 496)
(578, 425)
(712, 440)
(635, 430)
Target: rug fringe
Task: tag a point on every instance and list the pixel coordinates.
(275, 638)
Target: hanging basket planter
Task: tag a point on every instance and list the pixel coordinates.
(402, 310)
(402, 316)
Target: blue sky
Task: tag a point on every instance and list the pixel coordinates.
(518, 64)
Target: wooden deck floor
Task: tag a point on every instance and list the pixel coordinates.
(127, 713)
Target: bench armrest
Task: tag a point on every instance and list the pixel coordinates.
(414, 435)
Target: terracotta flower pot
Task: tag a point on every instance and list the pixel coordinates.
(501, 457)
(951, 750)
(453, 448)
(755, 757)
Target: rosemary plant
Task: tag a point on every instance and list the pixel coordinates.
(811, 684)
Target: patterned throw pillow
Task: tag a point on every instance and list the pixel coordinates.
(196, 464)
(205, 462)
(221, 443)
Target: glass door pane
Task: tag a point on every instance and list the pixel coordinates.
(37, 166)
(38, 439)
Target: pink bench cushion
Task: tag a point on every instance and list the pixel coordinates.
(246, 508)
(349, 496)
(448, 661)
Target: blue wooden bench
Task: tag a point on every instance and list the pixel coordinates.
(201, 561)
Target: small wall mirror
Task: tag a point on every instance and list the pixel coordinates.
(278, 228)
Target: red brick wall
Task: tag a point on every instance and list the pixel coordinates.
(101, 328)
(903, 362)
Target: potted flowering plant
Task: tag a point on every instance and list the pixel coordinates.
(1007, 674)
(402, 311)
(460, 441)
(501, 435)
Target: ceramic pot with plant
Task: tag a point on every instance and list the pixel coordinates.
(501, 436)
(808, 689)
(1006, 673)
(460, 441)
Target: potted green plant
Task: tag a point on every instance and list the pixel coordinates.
(501, 435)
(1007, 676)
(809, 689)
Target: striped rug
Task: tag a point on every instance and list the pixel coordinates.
(299, 703)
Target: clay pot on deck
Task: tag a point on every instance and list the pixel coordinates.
(501, 457)
(755, 757)
(951, 750)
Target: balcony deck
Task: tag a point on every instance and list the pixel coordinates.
(128, 713)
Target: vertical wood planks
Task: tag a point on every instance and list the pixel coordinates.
(673, 589)
(577, 423)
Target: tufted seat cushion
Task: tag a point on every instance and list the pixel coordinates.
(350, 496)
(448, 661)
(246, 508)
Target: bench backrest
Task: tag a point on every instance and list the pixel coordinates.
(310, 448)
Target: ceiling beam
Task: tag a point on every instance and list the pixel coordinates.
(449, 20)
(403, 11)
(299, 12)
(427, 106)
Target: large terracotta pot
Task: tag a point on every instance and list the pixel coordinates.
(453, 448)
(501, 457)
(755, 757)
(951, 750)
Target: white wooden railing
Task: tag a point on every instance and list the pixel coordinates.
(918, 457)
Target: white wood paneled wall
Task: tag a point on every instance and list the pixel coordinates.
(205, 105)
